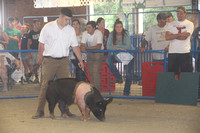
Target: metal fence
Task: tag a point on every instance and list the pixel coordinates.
(144, 77)
(142, 85)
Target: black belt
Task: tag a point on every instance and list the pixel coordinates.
(55, 58)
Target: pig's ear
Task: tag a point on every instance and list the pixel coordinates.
(108, 100)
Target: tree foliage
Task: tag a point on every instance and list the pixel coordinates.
(149, 18)
(150, 14)
(111, 11)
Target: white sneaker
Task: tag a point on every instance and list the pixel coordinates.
(32, 78)
(4, 90)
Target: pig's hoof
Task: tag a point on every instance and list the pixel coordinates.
(84, 119)
(52, 116)
(65, 116)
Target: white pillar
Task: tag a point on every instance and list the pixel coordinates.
(140, 22)
(91, 10)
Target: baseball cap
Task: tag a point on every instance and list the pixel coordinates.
(181, 9)
(11, 19)
(161, 16)
(169, 14)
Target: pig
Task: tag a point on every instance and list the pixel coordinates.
(67, 91)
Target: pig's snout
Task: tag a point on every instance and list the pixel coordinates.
(102, 119)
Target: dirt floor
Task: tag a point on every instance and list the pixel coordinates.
(122, 116)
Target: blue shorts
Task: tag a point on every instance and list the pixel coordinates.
(24, 55)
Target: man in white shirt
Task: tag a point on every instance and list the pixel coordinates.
(156, 35)
(178, 33)
(55, 39)
(169, 17)
(92, 40)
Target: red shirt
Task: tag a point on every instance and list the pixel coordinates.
(19, 28)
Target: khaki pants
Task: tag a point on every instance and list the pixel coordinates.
(94, 61)
(50, 68)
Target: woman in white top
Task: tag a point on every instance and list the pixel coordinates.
(79, 73)
(93, 40)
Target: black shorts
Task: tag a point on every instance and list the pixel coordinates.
(181, 62)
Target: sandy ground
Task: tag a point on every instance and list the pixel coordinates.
(122, 116)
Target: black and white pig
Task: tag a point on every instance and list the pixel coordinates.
(67, 91)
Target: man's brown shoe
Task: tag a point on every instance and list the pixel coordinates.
(38, 115)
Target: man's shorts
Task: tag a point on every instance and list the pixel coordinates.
(179, 62)
(24, 55)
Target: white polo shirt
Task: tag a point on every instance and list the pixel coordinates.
(93, 40)
(56, 41)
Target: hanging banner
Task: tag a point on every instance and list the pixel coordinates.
(154, 3)
(67, 3)
(56, 3)
(103, 1)
(133, 3)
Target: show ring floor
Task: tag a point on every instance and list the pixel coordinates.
(122, 116)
